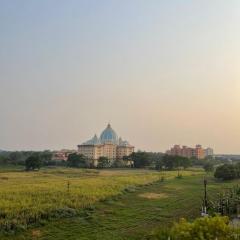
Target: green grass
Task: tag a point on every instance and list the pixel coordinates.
(27, 198)
(10, 168)
(139, 204)
(134, 214)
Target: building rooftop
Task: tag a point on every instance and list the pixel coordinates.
(108, 135)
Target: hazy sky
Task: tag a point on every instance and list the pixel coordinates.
(161, 72)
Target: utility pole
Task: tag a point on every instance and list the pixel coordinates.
(178, 167)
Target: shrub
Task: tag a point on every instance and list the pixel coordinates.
(203, 228)
(119, 164)
(225, 172)
(208, 228)
(103, 162)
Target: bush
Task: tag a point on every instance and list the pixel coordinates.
(119, 164)
(103, 162)
(203, 228)
(226, 172)
(208, 228)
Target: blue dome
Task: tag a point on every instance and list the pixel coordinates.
(109, 136)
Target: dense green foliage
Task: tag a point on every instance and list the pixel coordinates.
(227, 171)
(33, 162)
(103, 162)
(203, 228)
(119, 163)
(208, 167)
(3, 160)
(226, 202)
(151, 160)
(173, 162)
(77, 160)
(202, 162)
(20, 157)
(140, 159)
(159, 161)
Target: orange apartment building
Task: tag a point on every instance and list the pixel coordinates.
(198, 152)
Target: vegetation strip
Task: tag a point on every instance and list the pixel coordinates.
(29, 197)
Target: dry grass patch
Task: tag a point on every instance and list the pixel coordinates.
(176, 188)
(36, 233)
(153, 195)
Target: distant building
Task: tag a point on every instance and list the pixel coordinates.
(108, 145)
(62, 155)
(233, 157)
(209, 152)
(198, 152)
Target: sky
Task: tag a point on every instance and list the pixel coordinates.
(161, 72)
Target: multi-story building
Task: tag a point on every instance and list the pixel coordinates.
(209, 152)
(108, 145)
(198, 152)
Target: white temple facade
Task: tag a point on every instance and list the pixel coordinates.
(108, 145)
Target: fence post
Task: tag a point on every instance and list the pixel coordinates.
(68, 186)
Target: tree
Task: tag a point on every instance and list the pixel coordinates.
(119, 163)
(103, 162)
(15, 157)
(76, 160)
(169, 162)
(3, 160)
(33, 162)
(159, 164)
(237, 169)
(127, 161)
(225, 172)
(46, 157)
(208, 167)
(140, 159)
(184, 162)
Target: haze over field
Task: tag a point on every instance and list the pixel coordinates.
(161, 72)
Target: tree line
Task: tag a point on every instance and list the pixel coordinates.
(29, 159)
(141, 159)
(138, 159)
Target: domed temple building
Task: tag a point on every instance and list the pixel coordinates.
(108, 145)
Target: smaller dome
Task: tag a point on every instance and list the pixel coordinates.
(93, 141)
(123, 143)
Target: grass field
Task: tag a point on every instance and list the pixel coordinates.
(114, 204)
(28, 197)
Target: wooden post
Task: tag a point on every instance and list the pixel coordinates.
(178, 169)
(205, 196)
(68, 186)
